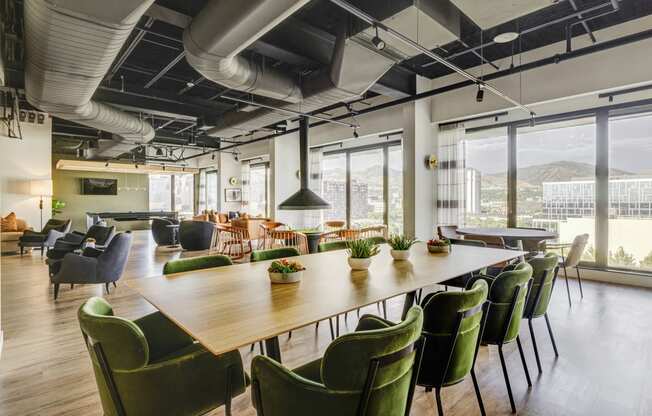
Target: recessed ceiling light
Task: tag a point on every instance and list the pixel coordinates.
(505, 37)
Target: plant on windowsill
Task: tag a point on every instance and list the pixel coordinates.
(360, 253)
(400, 245)
(439, 245)
(285, 271)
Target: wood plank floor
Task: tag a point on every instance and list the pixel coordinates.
(604, 340)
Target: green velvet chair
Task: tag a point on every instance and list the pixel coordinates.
(331, 246)
(544, 276)
(507, 293)
(196, 263)
(151, 367)
(462, 281)
(452, 328)
(368, 372)
(274, 253)
(377, 240)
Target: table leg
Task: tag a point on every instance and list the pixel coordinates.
(273, 348)
(409, 301)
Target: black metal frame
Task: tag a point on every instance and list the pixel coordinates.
(461, 315)
(529, 315)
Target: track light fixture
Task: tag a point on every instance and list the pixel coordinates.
(355, 133)
(479, 97)
(159, 151)
(532, 120)
(213, 156)
(106, 165)
(377, 41)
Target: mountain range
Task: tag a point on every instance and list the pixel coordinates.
(551, 172)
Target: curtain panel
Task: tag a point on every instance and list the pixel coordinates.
(450, 178)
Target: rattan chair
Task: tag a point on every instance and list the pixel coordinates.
(233, 241)
(265, 228)
(334, 225)
(287, 238)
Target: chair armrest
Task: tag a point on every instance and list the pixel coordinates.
(163, 336)
(52, 237)
(92, 252)
(76, 269)
(371, 322)
(282, 392)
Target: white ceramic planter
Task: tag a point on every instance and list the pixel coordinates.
(400, 254)
(359, 264)
(285, 277)
(439, 249)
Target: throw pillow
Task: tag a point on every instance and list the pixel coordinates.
(9, 223)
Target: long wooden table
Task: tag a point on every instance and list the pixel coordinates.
(229, 307)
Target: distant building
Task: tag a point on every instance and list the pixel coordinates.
(472, 186)
(629, 197)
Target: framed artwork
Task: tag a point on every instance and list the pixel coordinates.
(233, 195)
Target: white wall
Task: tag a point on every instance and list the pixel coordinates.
(229, 168)
(20, 162)
(284, 164)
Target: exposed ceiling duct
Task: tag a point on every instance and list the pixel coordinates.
(224, 28)
(70, 45)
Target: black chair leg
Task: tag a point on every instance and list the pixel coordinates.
(22, 251)
(534, 345)
(251, 349)
(440, 409)
(106, 286)
(567, 287)
(476, 387)
(337, 325)
(385, 309)
(330, 323)
(579, 280)
(261, 346)
(72, 286)
(56, 290)
(520, 351)
(42, 248)
(552, 337)
(114, 285)
(509, 386)
(290, 335)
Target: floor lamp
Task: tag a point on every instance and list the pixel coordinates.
(41, 188)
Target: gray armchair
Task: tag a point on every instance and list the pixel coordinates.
(70, 242)
(196, 235)
(95, 266)
(51, 232)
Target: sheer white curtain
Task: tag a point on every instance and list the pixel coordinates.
(450, 177)
(245, 180)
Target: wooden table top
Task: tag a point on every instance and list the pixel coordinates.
(229, 307)
(509, 233)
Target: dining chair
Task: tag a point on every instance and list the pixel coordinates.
(448, 232)
(233, 241)
(288, 238)
(348, 234)
(149, 366)
(332, 245)
(371, 371)
(572, 260)
(333, 225)
(533, 246)
(196, 263)
(452, 328)
(274, 253)
(265, 227)
(491, 242)
(544, 275)
(463, 280)
(376, 233)
(507, 296)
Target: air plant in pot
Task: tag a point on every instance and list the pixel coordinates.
(360, 253)
(439, 245)
(285, 271)
(400, 245)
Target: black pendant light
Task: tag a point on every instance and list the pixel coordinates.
(304, 198)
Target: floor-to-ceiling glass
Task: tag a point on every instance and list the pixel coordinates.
(160, 193)
(333, 185)
(630, 191)
(367, 198)
(258, 189)
(395, 191)
(184, 186)
(212, 190)
(555, 186)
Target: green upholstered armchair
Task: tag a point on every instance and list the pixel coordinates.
(151, 367)
(331, 246)
(452, 327)
(274, 253)
(196, 263)
(368, 372)
(544, 276)
(507, 295)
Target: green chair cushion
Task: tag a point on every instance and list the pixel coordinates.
(332, 246)
(196, 263)
(274, 253)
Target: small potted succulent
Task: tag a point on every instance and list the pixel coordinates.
(400, 245)
(285, 271)
(360, 253)
(439, 245)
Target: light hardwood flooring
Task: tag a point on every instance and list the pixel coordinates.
(605, 342)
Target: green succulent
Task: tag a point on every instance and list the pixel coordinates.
(362, 248)
(401, 242)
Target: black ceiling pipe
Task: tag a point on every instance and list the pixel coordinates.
(304, 198)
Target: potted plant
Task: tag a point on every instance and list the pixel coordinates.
(400, 245)
(57, 206)
(360, 253)
(439, 246)
(285, 271)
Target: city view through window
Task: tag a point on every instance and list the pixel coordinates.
(555, 187)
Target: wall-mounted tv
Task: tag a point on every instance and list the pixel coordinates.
(99, 186)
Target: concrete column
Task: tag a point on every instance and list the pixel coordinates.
(419, 141)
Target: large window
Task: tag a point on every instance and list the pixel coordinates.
(485, 178)
(212, 190)
(160, 193)
(184, 195)
(630, 191)
(555, 179)
(258, 188)
(364, 186)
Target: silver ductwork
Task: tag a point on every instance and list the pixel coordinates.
(223, 29)
(355, 67)
(70, 45)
